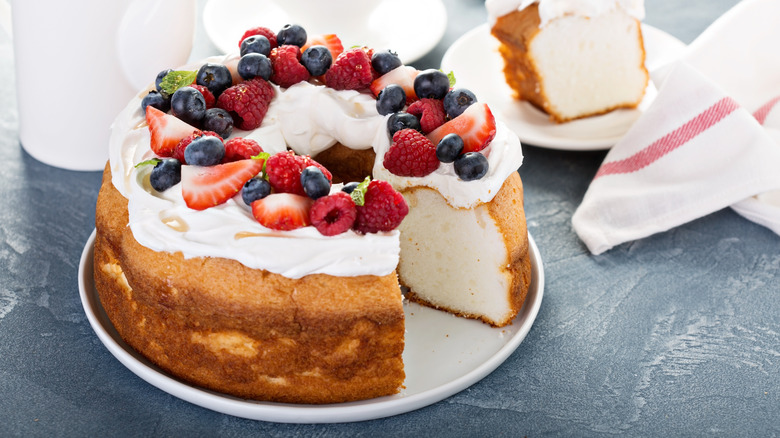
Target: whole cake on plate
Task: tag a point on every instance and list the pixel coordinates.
(260, 212)
(572, 58)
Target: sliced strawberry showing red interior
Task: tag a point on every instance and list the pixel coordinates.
(206, 186)
(166, 131)
(476, 126)
(331, 41)
(403, 76)
(282, 211)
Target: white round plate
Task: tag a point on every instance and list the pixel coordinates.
(226, 20)
(478, 66)
(443, 355)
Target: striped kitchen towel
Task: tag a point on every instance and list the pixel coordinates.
(709, 140)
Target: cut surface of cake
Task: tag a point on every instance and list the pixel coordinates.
(572, 59)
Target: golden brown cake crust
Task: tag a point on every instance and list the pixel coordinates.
(246, 332)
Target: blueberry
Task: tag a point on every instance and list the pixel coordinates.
(254, 189)
(471, 166)
(431, 83)
(384, 61)
(314, 182)
(402, 120)
(166, 174)
(255, 44)
(350, 187)
(390, 100)
(219, 121)
(457, 100)
(188, 104)
(215, 77)
(205, 150)
(254, 65)
(157, 100)
(317, 59)
(160, 77)
(291, 34)
(449, 148)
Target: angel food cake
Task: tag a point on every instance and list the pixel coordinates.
(259, 210)
(572, 58)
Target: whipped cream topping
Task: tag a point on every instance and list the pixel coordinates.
(307, 118)
(552, 9)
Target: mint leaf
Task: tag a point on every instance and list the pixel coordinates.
(177, 79)
(151, 161)
(451, 77)
(359, 194)
(262, 156)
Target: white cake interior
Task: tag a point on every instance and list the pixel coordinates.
(590, 65)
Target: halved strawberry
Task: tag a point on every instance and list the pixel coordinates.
(476, 126)
(403, 76)
(331, 41)
(206, 186)
(166, 131)
(282, 211)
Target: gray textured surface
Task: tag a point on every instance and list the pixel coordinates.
(676, 334)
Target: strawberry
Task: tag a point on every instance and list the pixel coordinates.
(331, 41)
(350, 71)
(430, 112)
(403, 76)
(166, 131)
(204, 187)
(282, 211)
(411, 154)
(476, 126)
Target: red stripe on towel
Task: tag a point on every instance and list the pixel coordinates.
(672, 140)
(762, 112)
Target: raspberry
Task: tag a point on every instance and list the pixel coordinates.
(383, 210)
(247, 102)
(350, 71)
(430, 112)
(239, 148)
(207, 95)
(287, 68)
(411, 154)
(264, 31)
(333, 214)
(178, 153)
(284, 172)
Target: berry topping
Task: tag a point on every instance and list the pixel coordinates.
(411, 154)
(255, 44)
(156, 99)
(159, 79)
(166, 131)
(431, 83)
(457, 100)
(254, 189)
(317, 60)
(206, 150)
(165, 174)
(402, 120)
(430, 112)
(247, 102)
(476, 126)
(208, 96)
(471, 166)
(291, 34)
(384, 61)
(331, 41)
(403, 76)
(287, 69)
(189, 105)
(204, 187)
(215, 77)
(178, 152)
(350, 187)
(239, 148)
(219, 121)
(333, 214)
(264, 31)
(253, 65)
(390, 100)
(350, 71)
(314, 182)
(284, 172)
(282, 211)
(449, 148)
(383, 209)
